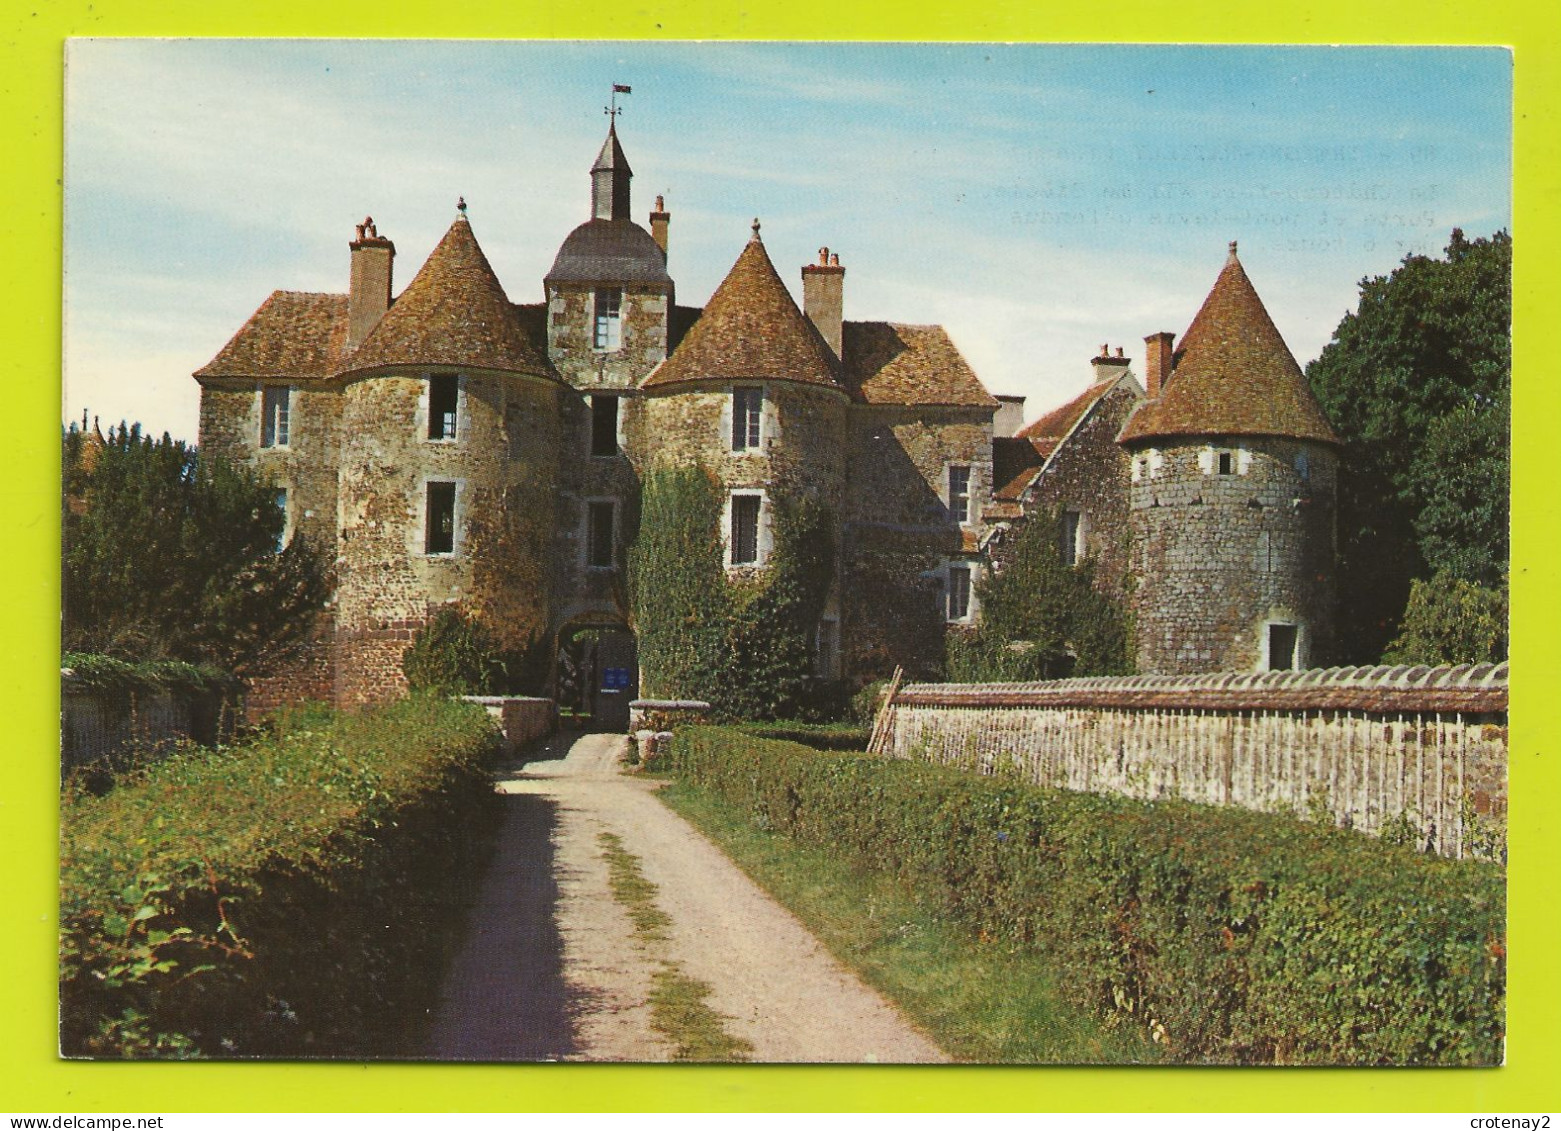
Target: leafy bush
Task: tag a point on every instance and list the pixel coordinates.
(454, 654)
(820, 736)
(1451, 621)
(1234, 937)
(284, 897)
(1040, 618)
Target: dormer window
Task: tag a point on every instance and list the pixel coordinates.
(275, 416)
(747, 417)
(608, 334)
(444, 400)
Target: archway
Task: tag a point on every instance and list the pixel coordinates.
(597, 673)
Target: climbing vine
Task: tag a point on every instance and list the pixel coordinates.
(1040, 618)
(744, 644)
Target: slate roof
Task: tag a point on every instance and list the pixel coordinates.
(610, 251)
(751, 329)
(893, 363)
(454, 312)
(1234, 375)
(294, 334)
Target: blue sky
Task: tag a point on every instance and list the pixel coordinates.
(1037, 200)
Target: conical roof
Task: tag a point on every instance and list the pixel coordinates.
(611, 155)
(1234, 375)
(453, 313)
(751, 330)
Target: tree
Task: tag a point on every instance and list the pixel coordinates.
(1451, 621)
(1040, 618)
(1417, 383)
(171, 556)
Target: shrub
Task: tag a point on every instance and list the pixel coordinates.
(1040, 618)
(454, 654)
(236, 901)
(1451, 621)
(1235, 937)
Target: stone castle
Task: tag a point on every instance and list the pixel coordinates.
(455, 447)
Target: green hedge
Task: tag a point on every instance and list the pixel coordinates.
(1235, 937)
(110, 676)
(820, 736)
(283, 897)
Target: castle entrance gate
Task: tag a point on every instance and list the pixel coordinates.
(598, 674)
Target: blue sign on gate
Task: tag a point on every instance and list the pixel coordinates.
(615, 679)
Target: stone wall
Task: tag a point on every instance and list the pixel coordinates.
(898, 533)
(571, 316)
(1216, 557)
(101, 729)
(503, 463)
(1089, 474)
(522, 719)
(1421, 749)
(305, 466)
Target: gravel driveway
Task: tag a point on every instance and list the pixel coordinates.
(550, 969)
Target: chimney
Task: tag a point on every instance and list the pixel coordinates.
(1157, 362)
(659, 221)
(1009, 417)
(1108, 368)
(823, 296)
(368, 294)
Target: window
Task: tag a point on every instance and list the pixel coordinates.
(1072, 538)
(959, 493)
(439, 526)
(444, 396)
(1225, 463)
(274, 413)
(957, 594)
(745, 529)
(609, 319)
(281, 505)
(1282, 639)
(747, 415)
(599, 535)
(1303, 467)
(604, 426)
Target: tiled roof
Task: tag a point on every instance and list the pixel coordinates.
(1234, 375)
(1051, 429)
(294, 334)
(610, 251)
(1015, 462)
(453, 313)
(1475, 688)
(751, 329)
(891, 363)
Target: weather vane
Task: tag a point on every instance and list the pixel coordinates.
(612, 111)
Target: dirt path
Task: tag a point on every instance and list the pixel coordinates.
(550, 968)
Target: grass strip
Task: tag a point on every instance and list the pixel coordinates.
(679, 1009)
(982, 1001)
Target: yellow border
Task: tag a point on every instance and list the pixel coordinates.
(31, 56)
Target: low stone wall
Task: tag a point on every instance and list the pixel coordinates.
(521, 718)
(97, 729)
(1409, 749)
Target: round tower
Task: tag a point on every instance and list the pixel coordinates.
(753, 394)
(449, 451)
(1231, 494)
